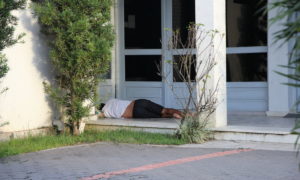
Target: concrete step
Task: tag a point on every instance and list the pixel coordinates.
(147, 125)
(234, 133)
(252, 133)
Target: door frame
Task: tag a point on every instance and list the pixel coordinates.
(166, 22)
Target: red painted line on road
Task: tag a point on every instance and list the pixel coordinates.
(164, 164)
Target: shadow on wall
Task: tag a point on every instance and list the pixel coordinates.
(40, 50)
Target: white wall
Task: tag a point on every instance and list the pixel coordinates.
(24, 105)
(279, 103)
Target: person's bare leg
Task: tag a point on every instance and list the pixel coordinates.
(171, 113)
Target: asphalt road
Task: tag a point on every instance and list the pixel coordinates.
(146, 162)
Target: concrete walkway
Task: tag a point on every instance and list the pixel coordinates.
(260, 120)
(224, 160)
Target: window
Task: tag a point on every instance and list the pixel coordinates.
(182, 66)
(246, 29)
(246, 23)
(247, 67)
(142, 68)
(142, 24)
(183, 15)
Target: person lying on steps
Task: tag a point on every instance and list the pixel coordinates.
(140, 108)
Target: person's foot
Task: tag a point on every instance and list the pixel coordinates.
(177, 116)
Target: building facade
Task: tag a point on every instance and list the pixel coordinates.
(247, 60)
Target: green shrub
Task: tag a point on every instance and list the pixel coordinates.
(81, 38)
(194, 130)
(290, 9)
(3, 69)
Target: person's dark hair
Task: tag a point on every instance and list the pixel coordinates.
(100, 107)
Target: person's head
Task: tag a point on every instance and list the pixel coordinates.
(100, 107)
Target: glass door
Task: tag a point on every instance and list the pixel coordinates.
(145, 51)
(141, 50)
(246, 39)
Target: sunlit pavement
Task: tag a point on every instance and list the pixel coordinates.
(213, 160)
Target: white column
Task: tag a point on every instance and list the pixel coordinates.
(211, 13)
(120, 61)
(167, 70)
(279, 103)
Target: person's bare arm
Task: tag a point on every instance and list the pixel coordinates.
(101, 115)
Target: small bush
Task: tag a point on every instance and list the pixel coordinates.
(195, 70)
(81, 41)
(194, 130)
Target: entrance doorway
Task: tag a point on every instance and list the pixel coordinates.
(144, 52)
(144, 48)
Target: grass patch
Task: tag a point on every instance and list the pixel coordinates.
(37, 143)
